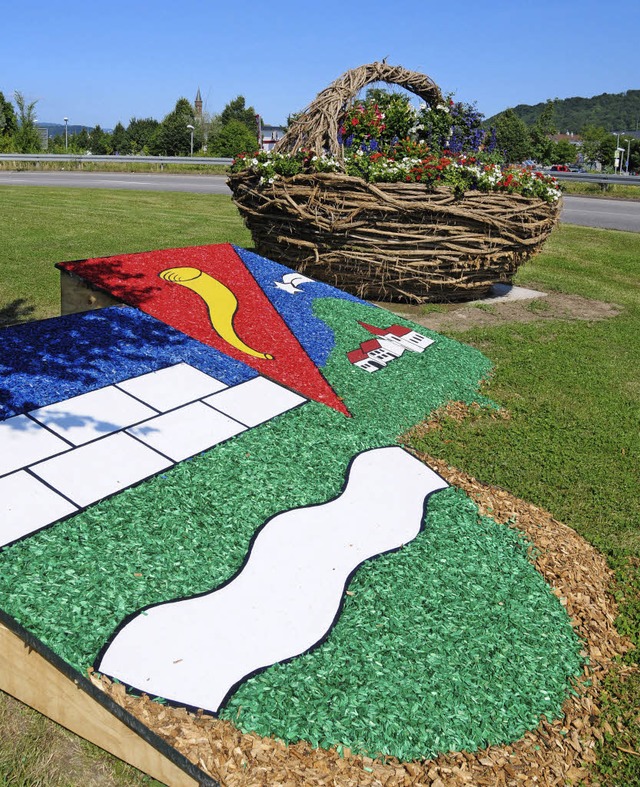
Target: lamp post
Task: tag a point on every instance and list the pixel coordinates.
(190, 127)
(66, 136)
(628, 152)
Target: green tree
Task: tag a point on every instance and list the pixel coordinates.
(236, 110)
(563, 152)
(598, 145)
(8, 120)
(542, 146)
(234, 138)
(120, 142)
(80, 143)
(140, 131)
(27, 138)
(512, 137)
(99, 141)
(172, 137)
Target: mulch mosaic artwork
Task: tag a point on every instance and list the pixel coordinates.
(204, 500)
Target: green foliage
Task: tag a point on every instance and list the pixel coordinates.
(512, 137)
(612, 111)
(542, 147)
(172, 137)
(80, 143)
(236, 110)
(120, 141)
(140, 131)
(26, 138)
(8, 120)
(232, 139)
(598, 145)
(562, 152)
(99, 142)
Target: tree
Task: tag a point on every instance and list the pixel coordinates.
(563, 152)
(234, 138)
(236, 110)
(512, 137)
(172, 137)
(27, 138)
(140, 131)
(120, 142)
(80, 143)
(99, 141)
(8, 120)
(598, 145)
(542, 147)
(210, 126)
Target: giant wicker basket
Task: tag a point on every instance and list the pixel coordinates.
(386, 241)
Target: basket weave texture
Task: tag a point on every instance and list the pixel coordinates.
(386, 241)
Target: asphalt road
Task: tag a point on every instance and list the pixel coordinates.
(611, 214)
(585, 211)
(131, 181)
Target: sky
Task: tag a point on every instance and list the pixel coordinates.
(107, 62)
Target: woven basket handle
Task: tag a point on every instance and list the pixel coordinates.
(317, 127)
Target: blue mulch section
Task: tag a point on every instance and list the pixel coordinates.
(296, 309)
(51, 360)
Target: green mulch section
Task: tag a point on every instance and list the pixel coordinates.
(465, 577)
(452, 643)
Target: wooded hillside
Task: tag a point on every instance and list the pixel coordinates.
(613, 111)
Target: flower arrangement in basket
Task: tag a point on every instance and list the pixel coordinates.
(390, 202)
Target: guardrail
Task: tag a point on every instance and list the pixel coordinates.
(602, 179)
(39, 158)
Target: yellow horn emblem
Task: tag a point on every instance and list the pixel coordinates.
(221, 303)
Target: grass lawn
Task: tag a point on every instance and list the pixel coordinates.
(42, 226)
(572, 389)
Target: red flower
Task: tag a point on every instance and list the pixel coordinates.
(354, 121)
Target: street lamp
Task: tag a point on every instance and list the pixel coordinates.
(190, 127)
(66, 136)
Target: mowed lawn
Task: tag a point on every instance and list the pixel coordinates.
(572, 388)
(42, 226)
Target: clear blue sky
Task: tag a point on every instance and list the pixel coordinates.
(100, 63)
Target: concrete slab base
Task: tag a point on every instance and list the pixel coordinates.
(502, 293)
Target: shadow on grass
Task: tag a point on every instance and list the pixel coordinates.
(19, 310)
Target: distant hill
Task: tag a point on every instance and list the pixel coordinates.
(613, 111)
(57, 129)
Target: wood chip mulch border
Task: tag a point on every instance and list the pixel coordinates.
(556, 753)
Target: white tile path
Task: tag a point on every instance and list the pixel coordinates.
(185, 432)
(96, 444)
(101, 468)
(23, 442)
(171, 387)
(255, 401)
(92, 415)
(27, 505)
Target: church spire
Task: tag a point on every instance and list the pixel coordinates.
(198, 104)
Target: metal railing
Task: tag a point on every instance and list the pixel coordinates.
(88, 158)
(602, 179)
(38, 158)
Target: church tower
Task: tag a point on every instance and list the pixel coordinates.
(198, 105)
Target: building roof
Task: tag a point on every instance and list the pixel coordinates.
(394, 330)
(356, 355)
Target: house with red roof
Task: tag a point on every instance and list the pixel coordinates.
(391, 343)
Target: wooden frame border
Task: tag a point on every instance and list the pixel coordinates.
(36, 676)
